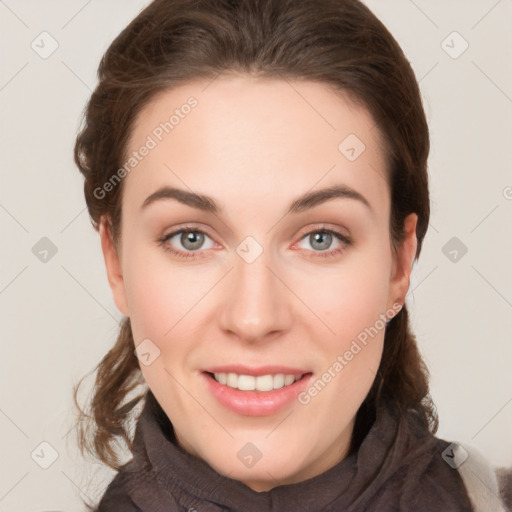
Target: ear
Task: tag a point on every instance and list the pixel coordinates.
(113, 266)
(403, 261)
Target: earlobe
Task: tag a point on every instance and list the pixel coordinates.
(113, 268)
(405, 256)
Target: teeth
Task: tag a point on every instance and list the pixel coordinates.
(246, 382)
(222, 378)
(260, 383)
(289, 379)
(232, 380)
(278, 381)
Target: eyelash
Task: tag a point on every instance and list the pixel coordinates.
(187, 255)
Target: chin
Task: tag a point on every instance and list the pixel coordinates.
(262, 468)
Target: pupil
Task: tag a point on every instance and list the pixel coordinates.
(324, 240)
(192, 240)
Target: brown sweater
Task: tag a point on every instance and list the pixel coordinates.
(398, 467)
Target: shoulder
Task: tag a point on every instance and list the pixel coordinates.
(439, 474)
(487, 487)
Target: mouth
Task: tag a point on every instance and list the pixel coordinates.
(256, 392)
(263, 383)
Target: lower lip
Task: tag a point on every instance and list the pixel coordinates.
(256, 403)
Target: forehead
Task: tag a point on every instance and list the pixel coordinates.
(254, 137)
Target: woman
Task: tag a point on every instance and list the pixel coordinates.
(257, 171)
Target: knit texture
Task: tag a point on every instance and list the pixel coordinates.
(398, 467)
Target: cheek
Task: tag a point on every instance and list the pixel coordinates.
(161, 296)
(154, 296)
(353, 306)
(348, 297)
(353, 297)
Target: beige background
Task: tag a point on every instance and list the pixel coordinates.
(58, 318)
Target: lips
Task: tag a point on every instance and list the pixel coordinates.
(257, 391)
(257, 371)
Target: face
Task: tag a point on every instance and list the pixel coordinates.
(278, 290)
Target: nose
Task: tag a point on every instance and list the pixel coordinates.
(257, 305)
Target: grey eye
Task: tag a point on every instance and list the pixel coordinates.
(192, 240)
(189, 240)
(320, 241)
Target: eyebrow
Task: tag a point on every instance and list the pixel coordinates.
(302, 203)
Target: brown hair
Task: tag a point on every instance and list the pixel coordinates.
(336, 42)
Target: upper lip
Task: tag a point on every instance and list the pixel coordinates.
(256, 371)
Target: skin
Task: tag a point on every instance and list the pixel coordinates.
(255, 146)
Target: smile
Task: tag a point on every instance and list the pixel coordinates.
(259, 391)
(256, 383)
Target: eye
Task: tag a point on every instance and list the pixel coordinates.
(183, 242)
(187, 243)
(321, 241)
